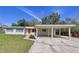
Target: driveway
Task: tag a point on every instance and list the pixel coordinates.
(56, 45)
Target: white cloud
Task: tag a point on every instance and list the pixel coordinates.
(29, 12)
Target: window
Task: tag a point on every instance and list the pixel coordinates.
(44, 30)
(9, 30)
(19, 30)
(33, 30)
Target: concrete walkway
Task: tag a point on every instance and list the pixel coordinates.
(56, 45)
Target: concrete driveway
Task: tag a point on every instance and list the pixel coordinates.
(56, 45)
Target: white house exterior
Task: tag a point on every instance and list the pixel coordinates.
(38, 30)
(19, 30)
(15, 30)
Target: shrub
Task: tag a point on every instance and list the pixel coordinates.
(32, 36)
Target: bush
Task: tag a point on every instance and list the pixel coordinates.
(32, 36)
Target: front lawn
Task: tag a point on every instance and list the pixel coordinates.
(14, 43)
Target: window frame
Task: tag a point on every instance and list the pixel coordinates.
(19, 30)
(9, 30)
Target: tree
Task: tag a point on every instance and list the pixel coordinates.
(34, 22)
(54, 18)
(61, 22)
(45, 20)
(51, 19)
(71, 21)
(14, 24)
(22, 22)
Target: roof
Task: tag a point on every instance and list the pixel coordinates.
(15, 27)
(21, 27)
(30, 27)
(56, 26)
(44, 26)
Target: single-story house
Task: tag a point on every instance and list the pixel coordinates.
(39, 30)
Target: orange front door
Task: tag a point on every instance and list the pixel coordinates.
(29, 31)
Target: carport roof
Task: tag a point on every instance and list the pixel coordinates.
(56, 26)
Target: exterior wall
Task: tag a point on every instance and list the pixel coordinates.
(30, 32)
(25, 32)
(42, 33)
(14, 32)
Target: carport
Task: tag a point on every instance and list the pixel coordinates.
(52, 27)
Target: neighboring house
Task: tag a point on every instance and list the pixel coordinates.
(39, 30)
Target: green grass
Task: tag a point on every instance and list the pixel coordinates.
(14, 43)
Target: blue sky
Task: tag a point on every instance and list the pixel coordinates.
(11, 14)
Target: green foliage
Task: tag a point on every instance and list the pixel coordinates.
(13, 24)
(51, 19)
(45, 20)
(54, 18)
(71, 21)
(76, 28)
(61, 22)
(22, 22)
(34, 22)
